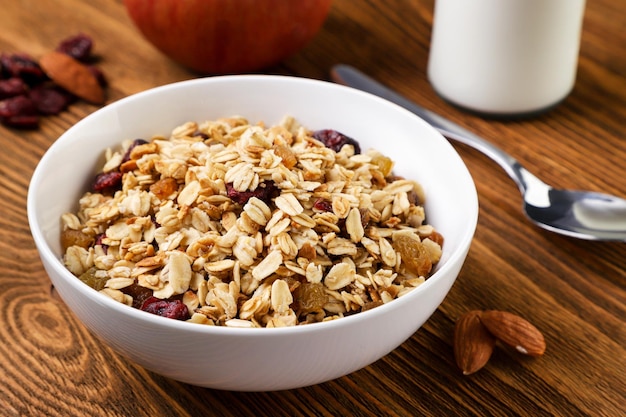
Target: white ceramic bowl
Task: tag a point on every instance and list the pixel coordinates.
(256, 359)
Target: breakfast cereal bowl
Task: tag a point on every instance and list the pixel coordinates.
(263, 351)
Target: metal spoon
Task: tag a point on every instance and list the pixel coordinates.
(580, 214)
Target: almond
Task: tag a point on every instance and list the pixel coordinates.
(73, 76)
(473, 344)
(514, 331)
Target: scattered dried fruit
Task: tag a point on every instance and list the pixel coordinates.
(514, 331)
(77, 46)
(22, 77)
(21, 66)
(11, 87)
(473, 344)
(50, 99)
(19, 111)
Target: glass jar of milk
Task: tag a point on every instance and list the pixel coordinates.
(505, 57)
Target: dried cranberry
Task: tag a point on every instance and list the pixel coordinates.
(98, 241)
(173, 309)
(335, 140)
(12, 87)
(265, 191)
(322, 205)
(29, 121)
(22, 66)
(18, 105)
(107, 182)
(77, 46)
(50, 99)
(19, 111)
(135, 143)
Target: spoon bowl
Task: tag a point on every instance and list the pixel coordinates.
(580, 214)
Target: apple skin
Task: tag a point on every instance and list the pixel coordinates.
(228, 36)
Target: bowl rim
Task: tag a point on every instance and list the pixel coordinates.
(46, 251)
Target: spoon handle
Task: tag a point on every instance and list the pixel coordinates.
(347, 75)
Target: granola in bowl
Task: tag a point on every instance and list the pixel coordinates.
(236, 224)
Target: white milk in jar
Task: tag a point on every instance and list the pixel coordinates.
(505, 57)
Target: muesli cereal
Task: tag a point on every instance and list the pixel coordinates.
(236, 224)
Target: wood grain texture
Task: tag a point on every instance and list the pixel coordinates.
(573, 291)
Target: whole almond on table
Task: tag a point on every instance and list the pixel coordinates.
(73, 76)
(473, 344)
(514, 331)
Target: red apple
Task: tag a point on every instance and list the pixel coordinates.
(228, 36)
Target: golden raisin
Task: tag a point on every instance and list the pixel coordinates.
(90, 278)
(307, 251)
(371, 304)
(287, 155)
(414, 256)
(436, 237)
(310, 297)
(384, 164)
(164, 187)
(71, 237)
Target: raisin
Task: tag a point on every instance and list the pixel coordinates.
(173, 309)
(384, 164)
(135, 143)
(71, 237)
(106, 182)
(307, 251)
(413, 198)
(414, 255)
(140, 294)
(371, 305)
(265, 191)
(286, 154)
(50, 99)
(164, 187)
(310, 297)
(90, 278)
(365, 218)
(436, 237)
(77, 46)
(335, 140)
(12, 87)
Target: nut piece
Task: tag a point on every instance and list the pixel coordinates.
(72, 75)
(514, 331)
(473, 344)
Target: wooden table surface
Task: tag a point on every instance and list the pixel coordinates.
(574, 291)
